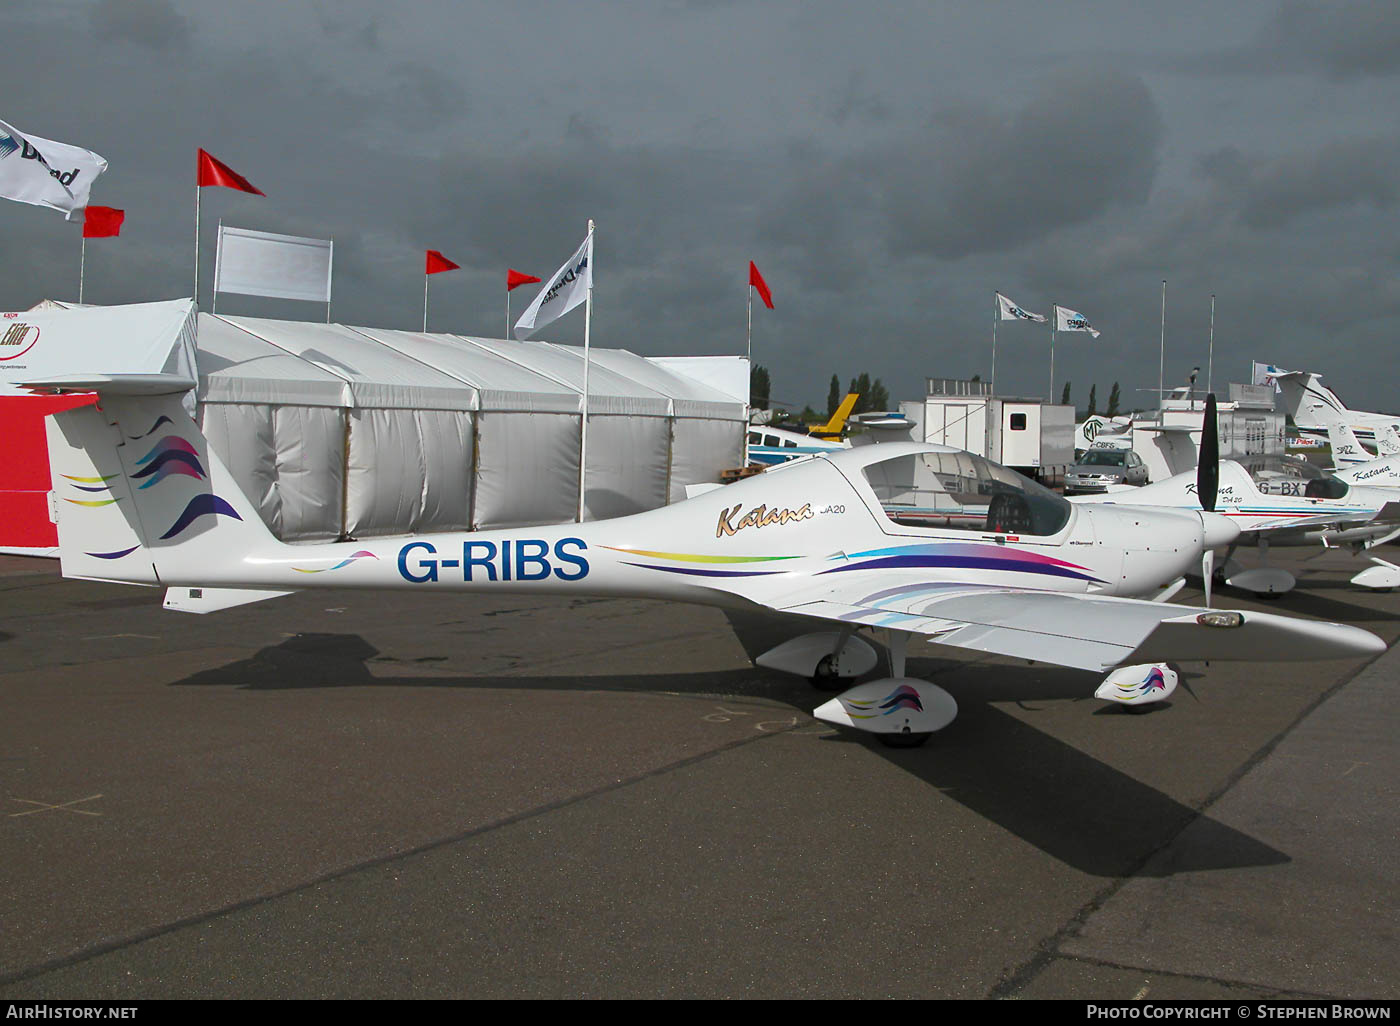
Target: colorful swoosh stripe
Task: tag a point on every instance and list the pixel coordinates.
(171, 456)
(202, 505)
(692, 571)
(963, 556)
(91, 480)
(1154, 681)
(162, 419)
(362, 554)
(114, 555)
(170, 443)
(692, 557)
(170, 463)
(902, 697)
(92, 502)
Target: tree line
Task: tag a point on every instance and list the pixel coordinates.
(1112, 410)
(873, 394)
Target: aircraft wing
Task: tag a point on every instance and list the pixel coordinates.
(1387, 514)
(1083, 631)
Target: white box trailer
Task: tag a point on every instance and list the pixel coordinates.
(1028, 435)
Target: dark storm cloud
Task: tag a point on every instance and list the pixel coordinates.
(1340, 40)
(153, 23)
(981, 181)
(1272, 192)
(886, 168)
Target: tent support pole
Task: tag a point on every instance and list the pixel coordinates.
(345, 479)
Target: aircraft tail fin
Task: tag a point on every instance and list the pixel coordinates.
(1387, 440)
(832, 428)
(140, 496)
(1346, 447)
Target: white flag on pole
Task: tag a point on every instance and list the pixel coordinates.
(282, 266)
(1265, 374)
(1011, 312)
(1068, 320)
(566, 289)
(46, 173)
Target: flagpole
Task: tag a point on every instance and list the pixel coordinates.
(996, 309)
(82, 261)
(1054, 322)
(1162, 355)
(218, 244)
(198, 195)
(426, 279)
(1210, 361)
(507, 334)
(587, 327)
(748, 334)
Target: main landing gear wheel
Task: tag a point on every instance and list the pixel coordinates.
(907, 740)
(826, 678)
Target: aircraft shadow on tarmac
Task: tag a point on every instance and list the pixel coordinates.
(1048, 793)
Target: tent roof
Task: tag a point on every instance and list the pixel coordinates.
(236, 366)
(501, 384)
(689, 397)
(260, 360)
(377, 375)
(608, 391)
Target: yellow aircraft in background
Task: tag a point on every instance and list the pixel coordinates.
(832, 429)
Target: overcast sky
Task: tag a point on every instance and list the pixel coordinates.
(886, 165)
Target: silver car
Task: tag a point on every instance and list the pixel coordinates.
(1099, 468)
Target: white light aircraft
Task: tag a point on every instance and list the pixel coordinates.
(920, 540)
(1313, 405)
(1280, 500)
(1381, 472)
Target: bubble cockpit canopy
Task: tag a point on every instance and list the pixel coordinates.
(961, 491)
(1289, 475)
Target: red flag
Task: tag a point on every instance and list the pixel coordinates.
(514, 279)
(101, 222)
(438, 263)
(216, 172)
(756, 280)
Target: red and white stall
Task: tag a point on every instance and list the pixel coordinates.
(51, 341)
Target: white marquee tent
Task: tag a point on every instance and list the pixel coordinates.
(335, 431)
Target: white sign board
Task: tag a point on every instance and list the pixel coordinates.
(281, 266)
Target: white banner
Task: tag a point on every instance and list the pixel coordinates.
(46, 173)
(566, 289)
(1011, 312)
(281, 266)
(1068, 320)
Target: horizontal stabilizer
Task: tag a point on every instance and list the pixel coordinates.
(114, 384)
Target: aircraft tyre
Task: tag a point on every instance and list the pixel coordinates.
(826, 678)
(904, 740)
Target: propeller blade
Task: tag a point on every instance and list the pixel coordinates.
(1208, 572)
(1208, 464)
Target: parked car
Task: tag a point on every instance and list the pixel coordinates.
(1099, 468)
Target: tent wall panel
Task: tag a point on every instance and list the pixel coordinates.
(446, 444)
(242, 436)
(626, 465)
(310, 453)
(384, 488)
(527, 472)
(702, 448)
